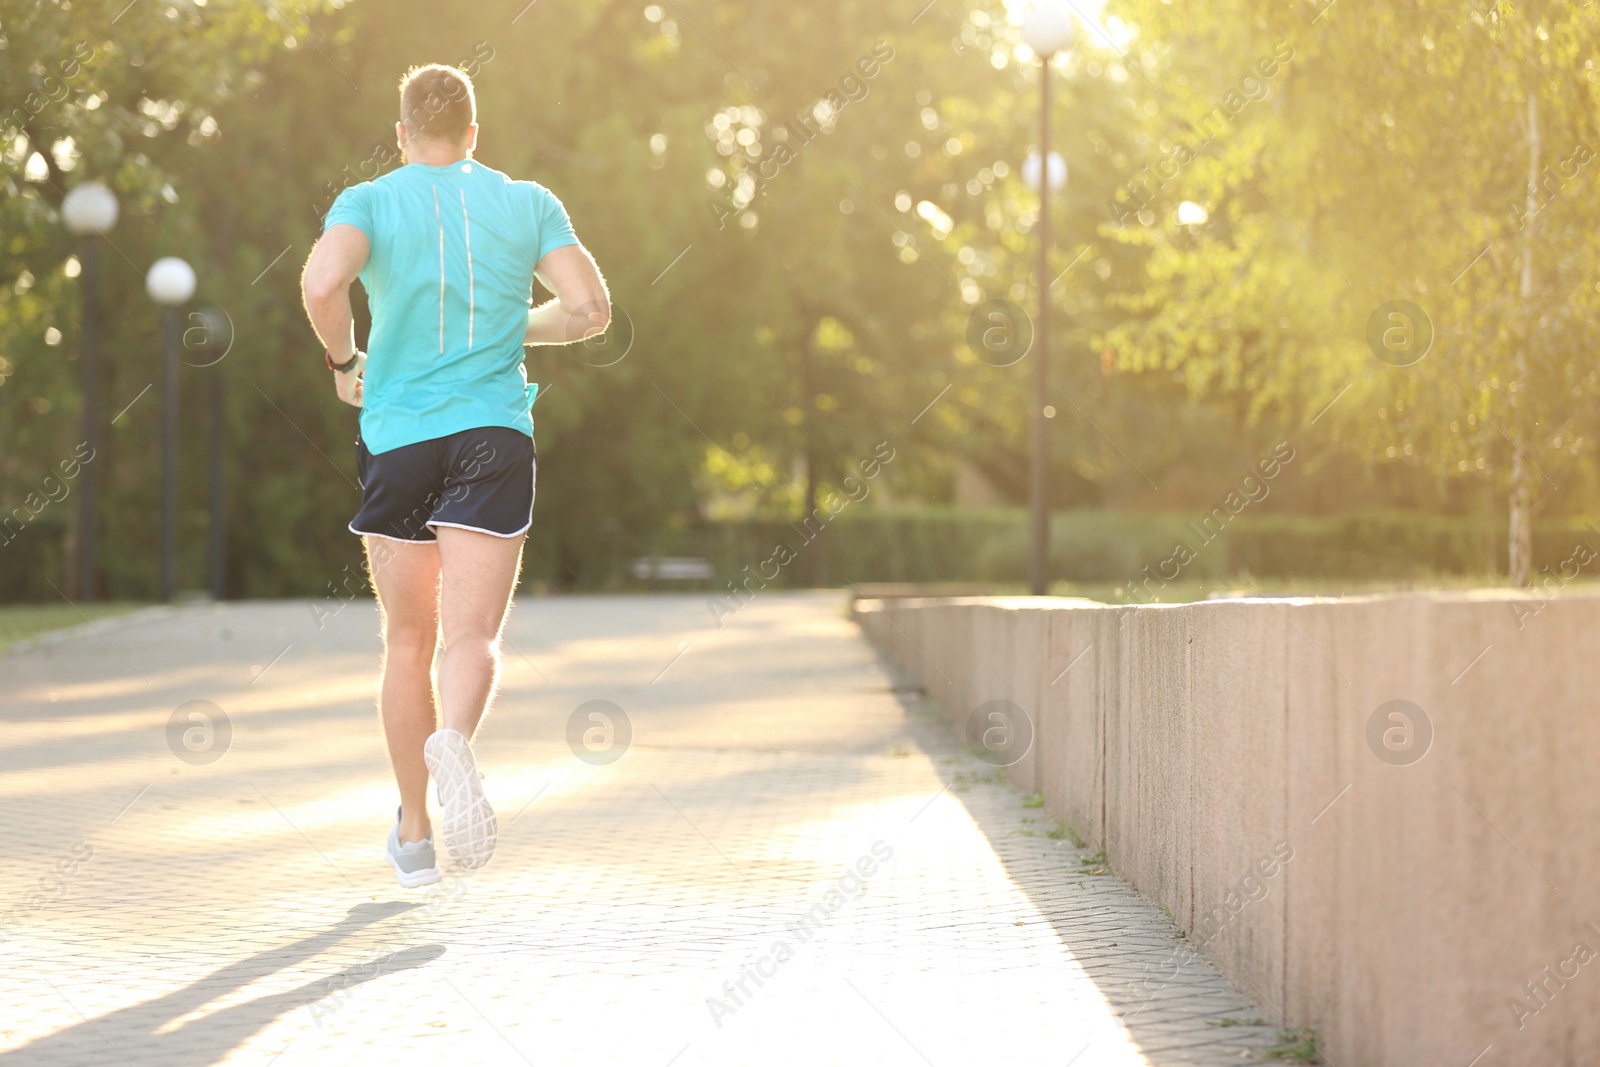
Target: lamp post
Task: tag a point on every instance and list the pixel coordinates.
(88, 211)
(214, 331)
(219, 533)
(1047, 30)
(170, 283)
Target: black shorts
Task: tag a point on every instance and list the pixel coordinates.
(478, 479)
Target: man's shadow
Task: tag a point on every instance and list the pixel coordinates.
(130, 1035)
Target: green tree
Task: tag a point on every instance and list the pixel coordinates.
(1431, 156)
(97, 89)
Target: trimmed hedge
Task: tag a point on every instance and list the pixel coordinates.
(991, 546)
(948, 545)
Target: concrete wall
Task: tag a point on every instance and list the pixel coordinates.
(1219, 754)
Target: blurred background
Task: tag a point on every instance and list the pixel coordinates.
(1322, 284)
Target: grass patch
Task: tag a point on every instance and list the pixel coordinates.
(1295, 1047)
(1188, 591)
(18, 622)
(1034, 801)
(1095, 864)
(964, 781)
(1064, 829)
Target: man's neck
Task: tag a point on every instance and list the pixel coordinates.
(436, 155)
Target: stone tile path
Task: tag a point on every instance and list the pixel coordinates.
(788, 862)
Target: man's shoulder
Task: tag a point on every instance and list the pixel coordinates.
(355, 191)
(523, 186)
(361, 192)
(537, 188)
(398, 177)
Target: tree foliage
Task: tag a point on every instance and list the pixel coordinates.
(800, 210)
(1391, 163)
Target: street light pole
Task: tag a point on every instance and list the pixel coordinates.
(215, 329)
(89, 210)
(1047, 30)
(219, 535)
(88, 486)
(170, 283)
(1038, 466)
(169, 459)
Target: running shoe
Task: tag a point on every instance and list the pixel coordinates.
(468, 827)
(413, 862)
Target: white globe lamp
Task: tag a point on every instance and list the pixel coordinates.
(1048, 29)
(170, 281)
(89, 209)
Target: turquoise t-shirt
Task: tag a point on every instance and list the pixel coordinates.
(449, 282)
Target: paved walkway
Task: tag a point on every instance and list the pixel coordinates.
(791, 863)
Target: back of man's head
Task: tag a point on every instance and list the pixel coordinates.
(437, 103)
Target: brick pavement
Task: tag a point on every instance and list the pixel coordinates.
(791, 863)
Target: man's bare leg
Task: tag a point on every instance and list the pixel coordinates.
(479, 573)
(406, 577)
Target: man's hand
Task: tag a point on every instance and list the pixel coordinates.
(581, 308)
(348, 383)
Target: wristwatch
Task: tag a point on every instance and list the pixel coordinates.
(340, 368)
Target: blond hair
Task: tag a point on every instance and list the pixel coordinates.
(437, 102)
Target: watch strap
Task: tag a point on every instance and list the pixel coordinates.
(340, 368)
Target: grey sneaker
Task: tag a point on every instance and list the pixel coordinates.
(413, 862)
(468, 826)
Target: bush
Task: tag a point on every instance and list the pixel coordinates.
(925, 545)
(32, 558)
(950, 545)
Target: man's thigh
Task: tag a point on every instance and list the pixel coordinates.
(479, 572)
(405, 575)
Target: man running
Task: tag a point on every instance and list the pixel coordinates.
(447, 250)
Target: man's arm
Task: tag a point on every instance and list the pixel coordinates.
(582, 306)
(335, 262)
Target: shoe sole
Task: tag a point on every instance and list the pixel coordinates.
(415, 878)
(468, 829)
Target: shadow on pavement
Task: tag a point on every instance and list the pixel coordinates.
(140, 1034)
